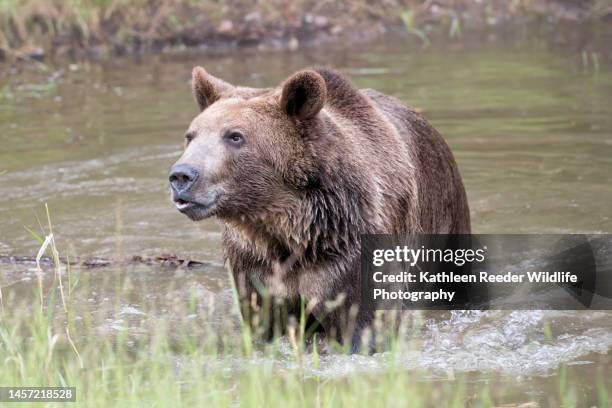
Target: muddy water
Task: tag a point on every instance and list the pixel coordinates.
(530, 129)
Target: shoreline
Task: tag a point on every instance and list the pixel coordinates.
(55, 32)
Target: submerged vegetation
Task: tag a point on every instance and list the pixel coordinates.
(36, 28)
(183, 359)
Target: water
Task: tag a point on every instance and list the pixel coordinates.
(529, 127)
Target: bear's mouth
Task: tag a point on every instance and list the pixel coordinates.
(198, 210)
(183, 205)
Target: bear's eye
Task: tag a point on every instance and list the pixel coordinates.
(189, 136)
(234, 138)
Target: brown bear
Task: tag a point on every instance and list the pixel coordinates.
(296, 174)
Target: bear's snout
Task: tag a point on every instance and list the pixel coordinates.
(182, 178)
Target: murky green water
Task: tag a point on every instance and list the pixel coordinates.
(530, 129)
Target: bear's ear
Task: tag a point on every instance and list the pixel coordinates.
(206, 88)
(304, 94)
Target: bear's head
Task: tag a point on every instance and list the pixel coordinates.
(249, 150)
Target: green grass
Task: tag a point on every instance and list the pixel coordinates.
(35, 352)
(52, 338)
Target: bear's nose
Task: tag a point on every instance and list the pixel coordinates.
(182, 177)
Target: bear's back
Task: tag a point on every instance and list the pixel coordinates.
(439, 181)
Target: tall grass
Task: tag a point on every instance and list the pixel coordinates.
(82, 24)
(53, 338)
(29, 27)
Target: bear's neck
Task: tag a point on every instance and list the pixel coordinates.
(320, 223)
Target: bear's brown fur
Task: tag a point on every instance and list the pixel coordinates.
(297, 173)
